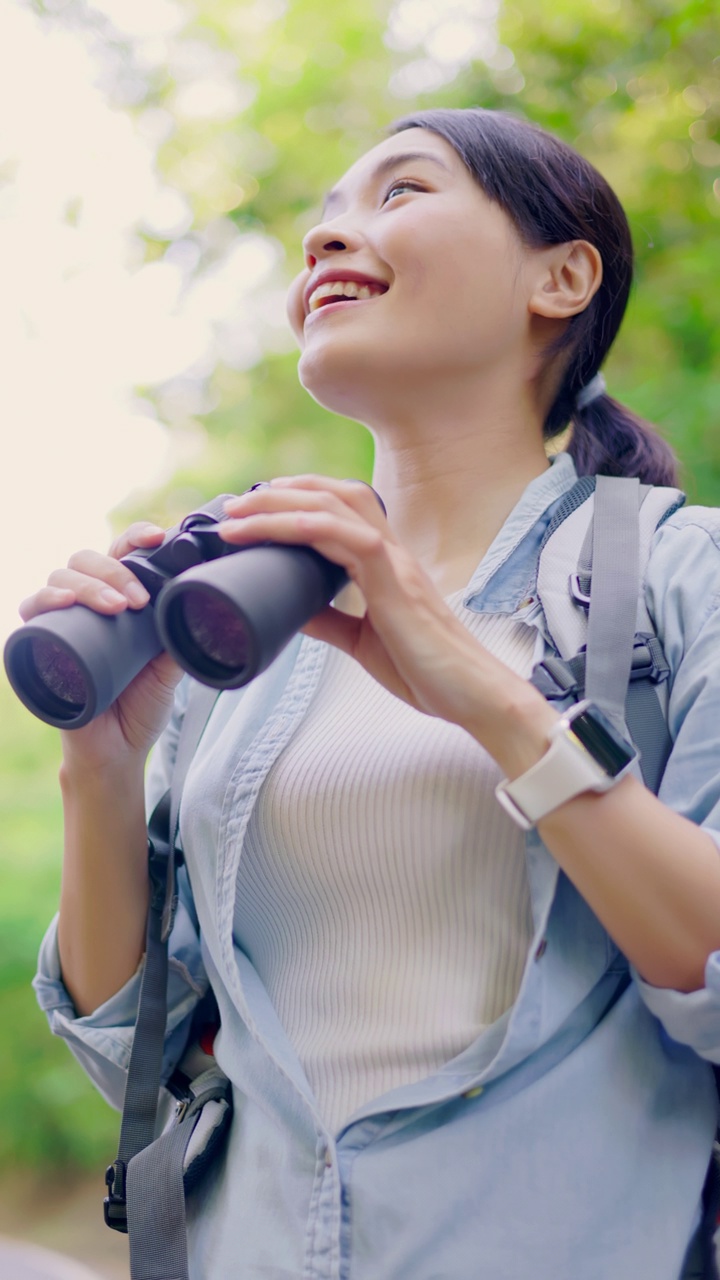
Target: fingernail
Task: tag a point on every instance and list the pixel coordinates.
(110, 596)
(136, 593)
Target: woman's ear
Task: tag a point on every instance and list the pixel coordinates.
(570, 278)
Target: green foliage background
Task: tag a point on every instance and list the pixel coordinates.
(634, 84)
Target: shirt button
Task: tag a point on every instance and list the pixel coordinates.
(541, 949)
(474, 1093)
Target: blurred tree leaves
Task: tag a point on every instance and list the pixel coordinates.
(52, 1116)
(634, 84)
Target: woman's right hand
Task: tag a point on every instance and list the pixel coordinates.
(128, 729)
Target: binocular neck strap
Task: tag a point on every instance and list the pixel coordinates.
(142, 1088)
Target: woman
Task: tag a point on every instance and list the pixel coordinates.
(440, 1066)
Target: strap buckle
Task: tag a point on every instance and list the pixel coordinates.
(580, 588)
(648, 660)
(555, 678)
(558, 678)
(115, 1204)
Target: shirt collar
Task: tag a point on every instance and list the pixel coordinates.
(488, 588)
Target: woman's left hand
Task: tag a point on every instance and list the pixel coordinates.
(408, 639)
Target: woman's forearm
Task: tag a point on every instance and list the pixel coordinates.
(651, 876)
(104, 896)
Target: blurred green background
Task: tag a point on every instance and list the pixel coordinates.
(633, 84)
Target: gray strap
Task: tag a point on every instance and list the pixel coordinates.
(613, 602)
(141, 1092)
(562, 677)
(137, 1128)
(156, 1184)
(584, 564)
(156, 1208)
(145, 1067)
(649, 731)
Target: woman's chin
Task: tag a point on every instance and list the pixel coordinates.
(338, 382)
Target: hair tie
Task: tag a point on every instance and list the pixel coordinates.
(595, 388)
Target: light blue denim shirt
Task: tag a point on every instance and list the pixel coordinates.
(570, 1141)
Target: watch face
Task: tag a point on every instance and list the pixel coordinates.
(603, 742)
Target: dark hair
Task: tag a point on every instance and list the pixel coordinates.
(553, 196)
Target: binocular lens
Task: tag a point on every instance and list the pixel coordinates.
(59, 672)
(210, 630)
(54, 677)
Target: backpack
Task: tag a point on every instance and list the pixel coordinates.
(591, 572)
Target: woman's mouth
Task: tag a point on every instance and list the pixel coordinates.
(333, 291)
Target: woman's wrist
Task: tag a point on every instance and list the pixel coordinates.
(81, 777)
(510, 719)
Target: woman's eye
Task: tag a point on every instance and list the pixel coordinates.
(399, 187)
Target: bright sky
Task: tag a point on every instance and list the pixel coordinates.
(82, 320)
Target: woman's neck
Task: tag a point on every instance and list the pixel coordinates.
(448, 491)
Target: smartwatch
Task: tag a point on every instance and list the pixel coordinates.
(586, 753)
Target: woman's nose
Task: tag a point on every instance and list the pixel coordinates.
(325, 240)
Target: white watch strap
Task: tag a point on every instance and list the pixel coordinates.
(566, 770)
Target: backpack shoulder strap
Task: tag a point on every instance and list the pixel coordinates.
(565, 563)
(615, 580)
(591, 576)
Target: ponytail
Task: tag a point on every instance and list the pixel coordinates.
(610, 440)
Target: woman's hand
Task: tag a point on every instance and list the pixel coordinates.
(408, 639)
(131, 725)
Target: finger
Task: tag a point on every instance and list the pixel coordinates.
(91, 590)
(45, 600)
(105, 571)
(140, 534)
(348, 542)
(269, 501)
(312, 491)
(356, 493)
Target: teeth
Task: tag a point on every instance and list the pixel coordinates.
(343, 289)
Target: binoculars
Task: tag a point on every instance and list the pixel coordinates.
(223, 612)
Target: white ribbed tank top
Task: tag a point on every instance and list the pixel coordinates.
(382, 892)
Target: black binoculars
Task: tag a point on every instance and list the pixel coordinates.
(223, 612)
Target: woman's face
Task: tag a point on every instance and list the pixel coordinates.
(413, 278)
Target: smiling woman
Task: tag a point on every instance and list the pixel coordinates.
(459, 950)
